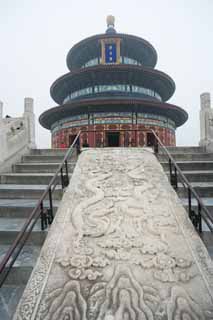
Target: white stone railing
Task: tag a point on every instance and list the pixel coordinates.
(16, 137)
(13, 140)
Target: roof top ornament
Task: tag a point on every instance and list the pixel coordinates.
(110, 21)
(110, 24)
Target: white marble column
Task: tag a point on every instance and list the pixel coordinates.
(1, 110)
(1, 134)
(206, 122)
(30, 120)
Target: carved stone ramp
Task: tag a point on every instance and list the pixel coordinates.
(121, 247)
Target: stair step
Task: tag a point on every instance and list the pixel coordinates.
(197, 176)
(18, 275)
(190, 165)
(27, 257)
(39, 167)
(207, 238)
(45, 158)
(189, 157)
(9, 298)
(21, 208)
(27, 178)
(24, 264)
(9, 229)
(184, 149)
(195, 208)
(53, 152)
(203, 189)
(11, 191)
(208, 202)
(205, 227)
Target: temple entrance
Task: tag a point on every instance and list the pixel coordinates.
(150, 138)
(113, 139)
(72, 138)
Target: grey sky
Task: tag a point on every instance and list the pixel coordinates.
(36, 35)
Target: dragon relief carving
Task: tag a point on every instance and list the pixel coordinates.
(123, 229)
(120, 246)
(82, 266)
(66, 303)
(121, 297)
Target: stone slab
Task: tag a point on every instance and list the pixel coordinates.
(9, 297)
(16, 224)
(23, 203)
(27, 257)
(121, 247)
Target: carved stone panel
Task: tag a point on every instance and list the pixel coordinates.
(121, 247)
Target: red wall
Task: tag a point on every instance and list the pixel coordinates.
(95, 135)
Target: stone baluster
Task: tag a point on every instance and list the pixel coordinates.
(30, 120)
(1, 110)
(206, 120)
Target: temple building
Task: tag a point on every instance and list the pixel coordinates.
(112, 94)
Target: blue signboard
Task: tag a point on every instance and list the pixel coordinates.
(110, 53)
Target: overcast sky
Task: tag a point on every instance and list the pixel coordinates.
(35, 36)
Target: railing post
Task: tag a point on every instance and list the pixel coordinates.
(173, 176)
(50, 211)
(156, 145)
(189, 203)
(175, 179)
(200, 228)
(67, 173)
(195, 217)
(78, 149)
(43, 217)
(170, 170)
(62, 178)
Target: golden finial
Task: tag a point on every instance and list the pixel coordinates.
(110, 21)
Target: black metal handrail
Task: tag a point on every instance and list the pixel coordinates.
(38, 212)
(174, 169)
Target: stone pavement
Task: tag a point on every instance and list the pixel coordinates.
(121, 247)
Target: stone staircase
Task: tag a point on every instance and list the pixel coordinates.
(19, 193)
(197, 166)
(21, 188)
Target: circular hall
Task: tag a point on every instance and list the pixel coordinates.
(113, 94)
